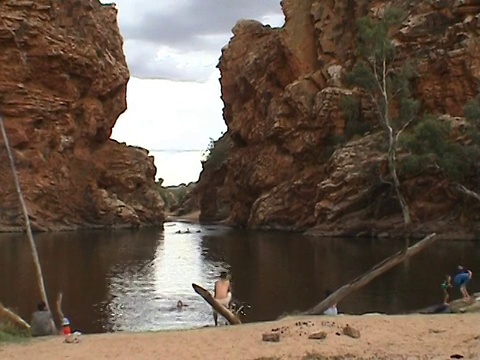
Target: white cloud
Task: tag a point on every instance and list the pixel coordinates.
(169, 115)
(172, 49)
(161, 36)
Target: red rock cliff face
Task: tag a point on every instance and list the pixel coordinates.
(282, 88)
(62, 87)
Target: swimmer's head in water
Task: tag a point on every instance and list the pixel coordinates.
(179, 304)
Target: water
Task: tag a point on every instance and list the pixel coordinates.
(131, 280)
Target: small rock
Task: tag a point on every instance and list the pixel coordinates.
(272, 337)
(318, 335)
(72, 339)
(350, 331)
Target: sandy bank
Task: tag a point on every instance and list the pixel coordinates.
(382, 337)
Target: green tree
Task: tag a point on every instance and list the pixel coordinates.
(432, 143)
(388, 85)
(217, 151)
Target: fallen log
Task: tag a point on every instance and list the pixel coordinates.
(371, 274)
(13, 318)
(222, 310)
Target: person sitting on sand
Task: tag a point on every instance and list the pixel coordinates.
(42, 322)
(332, 310)
(461, 280)
(446, 286)
(222, 293)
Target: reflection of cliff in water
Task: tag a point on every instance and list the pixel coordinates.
(76, 263)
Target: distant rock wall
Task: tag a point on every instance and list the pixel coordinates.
(62, 87)
(282, 90)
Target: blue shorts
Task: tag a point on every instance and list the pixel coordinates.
(461, 279)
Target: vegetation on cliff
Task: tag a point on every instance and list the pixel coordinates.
(174, 196)
(447, 145)
(387, 85)
(313, 108)
(217, 151)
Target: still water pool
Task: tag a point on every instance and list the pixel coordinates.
(132, 280)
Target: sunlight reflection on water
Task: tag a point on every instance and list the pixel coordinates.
(143, 296)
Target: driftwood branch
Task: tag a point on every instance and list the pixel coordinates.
(13, 318)
(59, 306)
(28, 228)
(222, 310)
(467, 192)
(368, 276)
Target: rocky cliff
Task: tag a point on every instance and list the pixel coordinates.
(62, 87)
(282, 90)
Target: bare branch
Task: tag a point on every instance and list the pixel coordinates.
(467, 192)
(399, 132)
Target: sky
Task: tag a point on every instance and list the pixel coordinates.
(172, 49)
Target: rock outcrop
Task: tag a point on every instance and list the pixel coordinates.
(282, 90)
(62, 88)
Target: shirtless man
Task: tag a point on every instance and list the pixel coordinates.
(223, 293)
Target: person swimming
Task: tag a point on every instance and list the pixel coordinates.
(181, 305)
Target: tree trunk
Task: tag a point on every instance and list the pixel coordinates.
(28, 229)
(222, 310)
(374, 272)
(392, 167)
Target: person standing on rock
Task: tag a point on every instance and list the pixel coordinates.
(446, 286)
(461, 280)
(222, 293)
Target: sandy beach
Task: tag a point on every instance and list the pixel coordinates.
(381, 337)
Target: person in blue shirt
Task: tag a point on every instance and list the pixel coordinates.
(461, 280)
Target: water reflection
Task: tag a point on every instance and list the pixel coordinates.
(132, 280)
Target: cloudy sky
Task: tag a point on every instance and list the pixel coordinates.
(172, 49)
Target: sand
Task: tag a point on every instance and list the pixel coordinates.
(381, 337)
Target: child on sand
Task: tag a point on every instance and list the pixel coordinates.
(446, 285)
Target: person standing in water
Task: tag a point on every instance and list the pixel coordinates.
(222, 293)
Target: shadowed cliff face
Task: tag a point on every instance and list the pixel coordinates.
(62, 88)
(282, 90)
